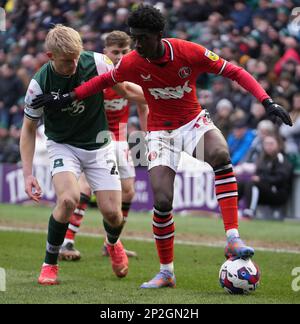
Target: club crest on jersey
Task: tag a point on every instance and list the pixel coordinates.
(211, 55)
(185, 72)
(146, 77)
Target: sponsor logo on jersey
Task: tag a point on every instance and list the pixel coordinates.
(107, 60)
(185, 72)
(146, 77)
(211, 55)
(76, 108)
(115, 104)
(171, 92)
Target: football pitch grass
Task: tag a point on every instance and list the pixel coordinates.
(196, 262)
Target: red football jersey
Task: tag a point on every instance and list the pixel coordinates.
(169, 84)
(117, 112)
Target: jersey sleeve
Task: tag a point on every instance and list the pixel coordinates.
(103, 63)
(208, 61)
(33, 90)
(120, 71)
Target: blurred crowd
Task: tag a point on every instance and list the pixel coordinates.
(261, 36)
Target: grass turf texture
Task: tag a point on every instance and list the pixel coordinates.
(91, 280)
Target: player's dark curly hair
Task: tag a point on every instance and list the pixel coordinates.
(147, 17)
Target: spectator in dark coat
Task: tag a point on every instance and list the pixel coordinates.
(271, 183)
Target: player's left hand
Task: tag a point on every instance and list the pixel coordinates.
(52, 100)
(32, 188)
(274, 109)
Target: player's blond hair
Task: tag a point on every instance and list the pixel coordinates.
(63, 40)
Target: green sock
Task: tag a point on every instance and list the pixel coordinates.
(56, 235)
(113, 233)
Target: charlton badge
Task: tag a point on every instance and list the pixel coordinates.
(185, 72)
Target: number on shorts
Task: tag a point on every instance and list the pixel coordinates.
(114, 170)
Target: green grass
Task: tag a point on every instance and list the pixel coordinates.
(91, 280)
(269, 233)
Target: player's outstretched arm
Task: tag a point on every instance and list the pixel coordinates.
(130, 91)
(248, 82)
(27, 147)
(87, 89)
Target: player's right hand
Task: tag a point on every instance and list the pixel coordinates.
(32, 188)
(52, 100)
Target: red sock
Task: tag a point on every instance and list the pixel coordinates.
(163, 230)
(227, 195)
(77, 216)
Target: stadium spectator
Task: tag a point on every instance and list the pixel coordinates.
(271, 183)
(223, 118)
(257, 114)
(239, 141)
(11, 91)
(292, 134)
(248, 166)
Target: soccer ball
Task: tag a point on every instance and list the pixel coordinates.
(239, 276)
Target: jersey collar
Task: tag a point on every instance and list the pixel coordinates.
(168, 56)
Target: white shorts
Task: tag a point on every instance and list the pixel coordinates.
(99, 166)
(124, 159)
(165, 147)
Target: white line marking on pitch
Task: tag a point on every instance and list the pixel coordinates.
(218, 244)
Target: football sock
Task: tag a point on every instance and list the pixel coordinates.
(227, 195)
(125, 209)
(232, 233)
(112, 233)
(164, 232)
(56, 234)
(169, 267)
(76, 218)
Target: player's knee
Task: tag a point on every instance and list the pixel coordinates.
(128, 194)
(113, 217)
(69, 202)
(163, 203)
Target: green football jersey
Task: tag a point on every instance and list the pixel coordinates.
(83, 123)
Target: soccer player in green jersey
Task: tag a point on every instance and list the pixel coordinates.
(78, 141)
(117, 44)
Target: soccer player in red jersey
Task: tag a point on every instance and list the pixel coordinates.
(117, 108)
(167, 70)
